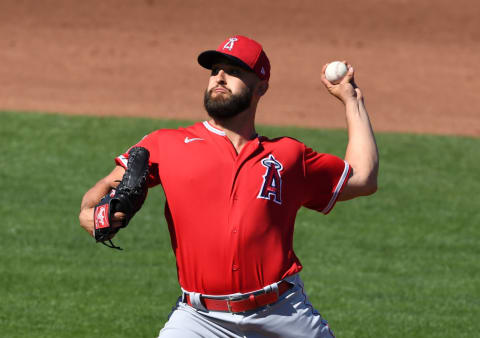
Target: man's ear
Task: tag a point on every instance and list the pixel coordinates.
(262, 88)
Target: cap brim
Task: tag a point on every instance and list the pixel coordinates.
(208, 58)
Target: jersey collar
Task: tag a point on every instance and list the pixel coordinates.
(213, 129)
(217, 131)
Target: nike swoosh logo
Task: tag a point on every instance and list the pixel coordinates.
(188, 140)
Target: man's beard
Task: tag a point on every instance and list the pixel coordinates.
(226, 107)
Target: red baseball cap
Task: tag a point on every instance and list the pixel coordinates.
(242, 51)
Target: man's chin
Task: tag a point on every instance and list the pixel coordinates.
(221, 115)
(220, 105)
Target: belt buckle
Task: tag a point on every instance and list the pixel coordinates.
(236, 298)
(248, 295)
(232, 299)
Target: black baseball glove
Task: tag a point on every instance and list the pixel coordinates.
(127, 198)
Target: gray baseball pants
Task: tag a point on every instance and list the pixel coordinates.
(291, 316)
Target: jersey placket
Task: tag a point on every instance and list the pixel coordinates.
(238, 162)
(236, 206)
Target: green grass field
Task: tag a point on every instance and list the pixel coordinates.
(404, 262)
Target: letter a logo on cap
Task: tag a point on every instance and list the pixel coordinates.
(230, 43)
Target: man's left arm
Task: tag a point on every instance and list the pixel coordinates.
(362, 152)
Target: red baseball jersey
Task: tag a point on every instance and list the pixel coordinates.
(231, 216)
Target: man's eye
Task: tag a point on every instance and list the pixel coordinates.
(234, 72)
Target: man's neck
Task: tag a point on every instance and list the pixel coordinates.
(239, 129)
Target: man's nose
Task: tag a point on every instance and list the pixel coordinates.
(220, 77)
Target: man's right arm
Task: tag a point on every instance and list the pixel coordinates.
(362, 152)
(95, 194)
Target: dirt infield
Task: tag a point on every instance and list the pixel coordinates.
(416, 60)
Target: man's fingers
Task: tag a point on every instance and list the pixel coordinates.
(323, 78)
(118, 219)
(349, 76)
(117, 224)
(327, 83)
(324, 68)
(118, 216)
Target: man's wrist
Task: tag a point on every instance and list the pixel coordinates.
(350, 102)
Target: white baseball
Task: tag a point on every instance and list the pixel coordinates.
(335, 71)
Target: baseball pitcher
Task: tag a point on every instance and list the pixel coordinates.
(232, 196)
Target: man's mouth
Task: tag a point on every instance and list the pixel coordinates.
(221, 89)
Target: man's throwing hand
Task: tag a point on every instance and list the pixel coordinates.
(346, 90)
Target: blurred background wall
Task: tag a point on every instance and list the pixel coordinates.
(416, 60)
